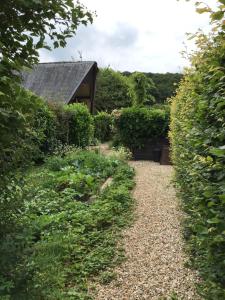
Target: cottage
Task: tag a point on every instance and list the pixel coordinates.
(63, 82)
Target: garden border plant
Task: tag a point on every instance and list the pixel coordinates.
(198, 139)
(140, 127)
(65, 241)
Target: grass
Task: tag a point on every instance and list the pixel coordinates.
(65, 240)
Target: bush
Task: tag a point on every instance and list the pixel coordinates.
(62, 122)
(135, 126)
(27, 128)
(44, 128)
(103, 126)
(198, 152)
(80, 124)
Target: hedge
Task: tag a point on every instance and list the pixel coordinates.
(103, 126)
(31, 128)
(27, 128)
(136, 126)
(80, 124)
(198, 153)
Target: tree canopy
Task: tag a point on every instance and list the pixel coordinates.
(143, 88)
(26, 24)
(113, 91)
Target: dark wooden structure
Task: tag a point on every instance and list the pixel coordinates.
(63, 82)
(156, 150)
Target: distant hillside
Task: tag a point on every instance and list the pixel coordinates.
(166, 84)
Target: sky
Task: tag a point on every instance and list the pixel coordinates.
(127, 35)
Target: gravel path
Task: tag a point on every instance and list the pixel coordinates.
(154, 268)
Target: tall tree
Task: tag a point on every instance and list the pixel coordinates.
(113, 91)
(143, 88)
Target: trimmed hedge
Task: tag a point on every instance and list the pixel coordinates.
(31, 128)
(80, 124)
(198, 152)
(27, 128)
(136, 126)
(103, 126)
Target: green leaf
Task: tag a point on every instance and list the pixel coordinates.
(203, 10)
(218, 152)
(217, 16)
(213, 221)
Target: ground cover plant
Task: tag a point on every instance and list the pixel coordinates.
(66, 231)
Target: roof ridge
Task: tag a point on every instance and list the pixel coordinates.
(65, 62)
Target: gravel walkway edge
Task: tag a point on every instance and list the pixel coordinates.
(155, 265)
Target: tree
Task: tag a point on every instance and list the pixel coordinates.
(166, 85)
(113, 91)
(217, 15)
(25, 25)
(143, 88)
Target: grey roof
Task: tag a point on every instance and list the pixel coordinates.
(56, 81)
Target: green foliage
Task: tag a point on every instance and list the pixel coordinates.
(143, 88)
(135, 126)
(113, 91)
(164, 85)
(60, 239)
(103, 126)
(217, 14)
(80, 124)
(198, 139)
(27, 128)
(26, 24)
(35, 129)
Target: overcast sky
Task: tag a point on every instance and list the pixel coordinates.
(144, 35)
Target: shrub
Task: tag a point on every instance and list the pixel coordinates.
(44, 127)
(135, 126)
(198, 152)
(80, 124)
(62, 122)
(103, 126)
(27, 128)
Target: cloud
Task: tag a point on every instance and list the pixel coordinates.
(147, 35)
(123, 36)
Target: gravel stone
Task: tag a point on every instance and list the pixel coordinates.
(155, 265)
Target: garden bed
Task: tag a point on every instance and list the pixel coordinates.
(64, 239)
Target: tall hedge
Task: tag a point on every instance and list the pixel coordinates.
(26, 130)
(198, 151)
(103, 126)
(136, 126)
(80, 124)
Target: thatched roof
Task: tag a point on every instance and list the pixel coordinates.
(57, 81)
